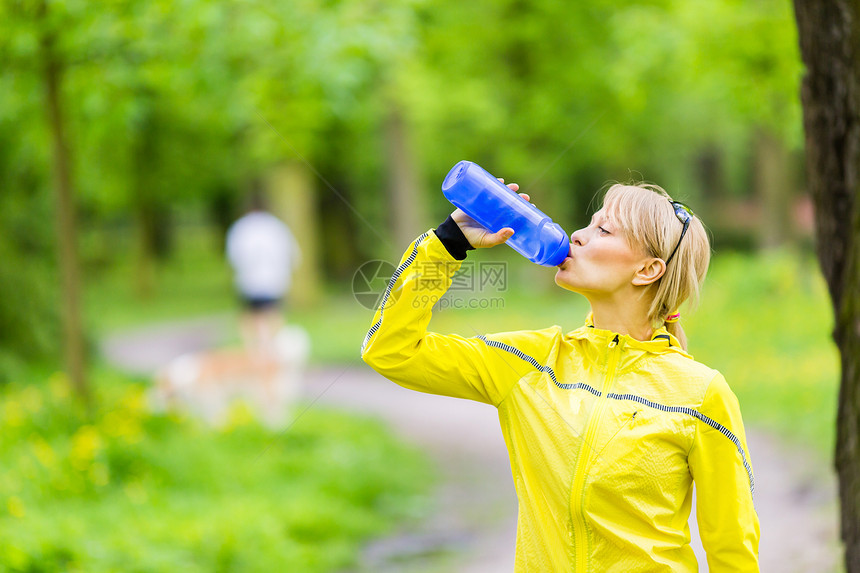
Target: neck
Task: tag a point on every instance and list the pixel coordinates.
(630, 319)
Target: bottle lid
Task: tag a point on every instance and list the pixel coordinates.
(555, 254)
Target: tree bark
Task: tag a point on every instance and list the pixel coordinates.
(829, 33)
(66, 223)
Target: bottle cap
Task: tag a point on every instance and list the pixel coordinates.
(555, 255)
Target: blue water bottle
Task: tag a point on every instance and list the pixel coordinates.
(495, 206)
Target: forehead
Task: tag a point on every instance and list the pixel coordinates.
(612, 217)
(601, 216)
(618, 209)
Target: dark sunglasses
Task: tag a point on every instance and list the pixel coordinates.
(685, 215)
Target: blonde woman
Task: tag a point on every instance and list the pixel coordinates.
(607, 426)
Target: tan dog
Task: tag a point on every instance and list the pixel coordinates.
(206, 384)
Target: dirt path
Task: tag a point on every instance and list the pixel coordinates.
(472, 528)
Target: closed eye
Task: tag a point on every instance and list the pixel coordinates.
(602, 230)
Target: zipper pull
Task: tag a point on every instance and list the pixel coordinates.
(614, 342)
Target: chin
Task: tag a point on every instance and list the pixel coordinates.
(563, 281)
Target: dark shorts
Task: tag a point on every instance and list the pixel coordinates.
(254, 303)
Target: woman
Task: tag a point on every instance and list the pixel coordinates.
(607, 426)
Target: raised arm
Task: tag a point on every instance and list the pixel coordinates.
(399, 346)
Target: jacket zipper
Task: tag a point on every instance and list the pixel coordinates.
(584, 460)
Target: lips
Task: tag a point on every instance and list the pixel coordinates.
(567, 258)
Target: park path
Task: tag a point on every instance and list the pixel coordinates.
(472, 525)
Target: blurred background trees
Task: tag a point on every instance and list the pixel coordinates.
(350, 113)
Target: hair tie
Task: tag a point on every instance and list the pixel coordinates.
(674, 317)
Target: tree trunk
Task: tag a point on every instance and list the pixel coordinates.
(711, 174)
(829, 34)
(145, 198)
(292, 193)
(223, 209)
(144, 271)
(774, 188)
(73, 338)
(407, 207)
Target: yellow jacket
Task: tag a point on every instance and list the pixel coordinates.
(606, 434)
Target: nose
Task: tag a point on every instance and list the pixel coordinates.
(577, 237)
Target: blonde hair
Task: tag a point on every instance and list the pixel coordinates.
(649, 222)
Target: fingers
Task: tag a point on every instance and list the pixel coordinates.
(511, 186)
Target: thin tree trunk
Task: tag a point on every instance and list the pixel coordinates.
(710, 172)
(407, 207)
(144, 200)
(73, 338)
(144, 272)
(774, 187)
(293, 195)
(829, 33)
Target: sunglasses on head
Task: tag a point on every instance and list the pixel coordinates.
(685, 215)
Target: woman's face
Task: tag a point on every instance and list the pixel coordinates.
(601, 262)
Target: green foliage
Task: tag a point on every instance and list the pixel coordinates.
(29, 321)
(571, 95)
(171, 102)
(29, 325)
(128, 490)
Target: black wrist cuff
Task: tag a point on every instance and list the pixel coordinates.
(453, 238)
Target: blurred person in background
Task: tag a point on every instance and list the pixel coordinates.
(266, 372)
(607, 426)
(263, 253)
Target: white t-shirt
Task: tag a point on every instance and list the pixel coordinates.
(263, 252)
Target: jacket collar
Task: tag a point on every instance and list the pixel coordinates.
(661, 341)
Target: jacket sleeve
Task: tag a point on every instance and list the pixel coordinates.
(399, 347)
(721, 469)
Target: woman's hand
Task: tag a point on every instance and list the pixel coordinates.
(478, 235)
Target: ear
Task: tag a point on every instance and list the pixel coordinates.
(649, 271)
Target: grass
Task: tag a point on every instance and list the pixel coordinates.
(124, 490)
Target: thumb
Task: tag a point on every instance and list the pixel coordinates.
(501, 236)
